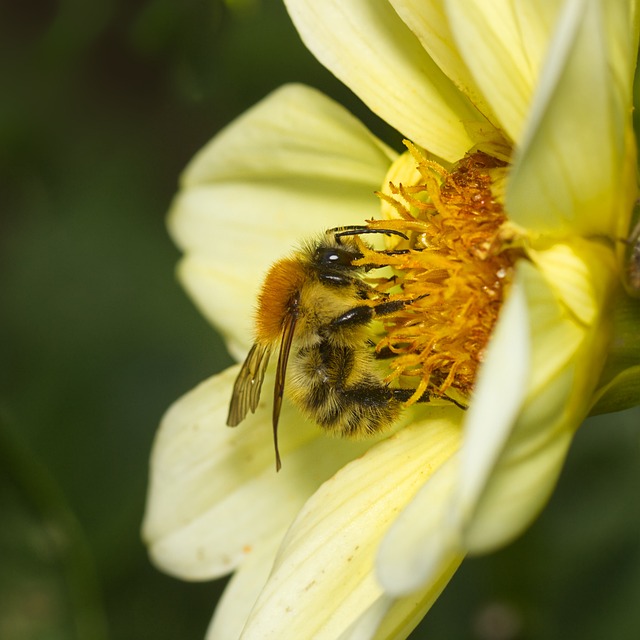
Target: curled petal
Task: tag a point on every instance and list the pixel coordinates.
(367, 46)
(498, 397)
(573, 167)
(519, 487)
(429, 21)
(567, 356)
(502, 44)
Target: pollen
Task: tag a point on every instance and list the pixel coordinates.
(453, 266)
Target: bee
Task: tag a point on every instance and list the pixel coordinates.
(316, 306)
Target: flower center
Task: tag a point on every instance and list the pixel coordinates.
(453, 266)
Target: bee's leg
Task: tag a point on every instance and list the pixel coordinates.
(403, 395)
(369, 266)
(362, 290)
(383, 354)
(364, 314)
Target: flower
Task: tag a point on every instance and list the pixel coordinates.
(361, 537)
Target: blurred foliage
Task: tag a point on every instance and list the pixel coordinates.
(104, 103)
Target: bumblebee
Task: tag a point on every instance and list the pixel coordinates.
(316, 306)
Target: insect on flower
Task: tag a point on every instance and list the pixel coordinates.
(317, 307)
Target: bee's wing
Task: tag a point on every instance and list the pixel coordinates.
(246, 390)
(281, 371)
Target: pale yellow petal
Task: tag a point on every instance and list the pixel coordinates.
(517, 491)
(214, 492)
(581, 274)
(569, 303)
(323, 578)
(367, 46)
(226, 220)
(243, 589)
(405, 613)
(226, 299)
(366, 625)
(570, 173)
(502, 44)
(393, 619)
(296, 132)
(423, 541)
(429, 22)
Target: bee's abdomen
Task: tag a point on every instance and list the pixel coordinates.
(338, 389)
(357, 411)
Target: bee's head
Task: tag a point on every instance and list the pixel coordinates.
(336, 257)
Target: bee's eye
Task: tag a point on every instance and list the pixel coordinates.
(336, 258)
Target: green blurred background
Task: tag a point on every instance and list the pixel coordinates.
(103, 103)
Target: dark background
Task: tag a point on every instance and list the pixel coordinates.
(103, 103)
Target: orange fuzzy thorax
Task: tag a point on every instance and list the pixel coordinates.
(278, 298)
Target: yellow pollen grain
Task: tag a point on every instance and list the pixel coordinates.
(452, 266)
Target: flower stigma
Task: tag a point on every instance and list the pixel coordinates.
(456, 266)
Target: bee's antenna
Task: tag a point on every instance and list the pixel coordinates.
(356, 230)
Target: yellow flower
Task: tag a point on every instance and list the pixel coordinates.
(361, 537)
